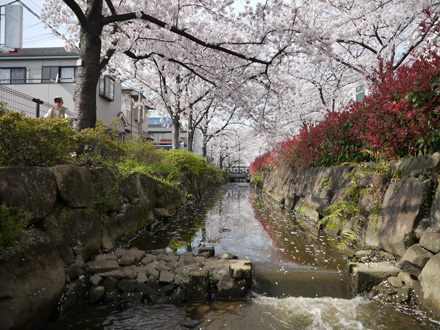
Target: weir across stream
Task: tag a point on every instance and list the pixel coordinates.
(301, 279)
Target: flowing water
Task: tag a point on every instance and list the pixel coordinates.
(301, 279)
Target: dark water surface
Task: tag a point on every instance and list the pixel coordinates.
(301, 281)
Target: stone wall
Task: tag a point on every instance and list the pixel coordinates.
(76, 212)
(400, 215)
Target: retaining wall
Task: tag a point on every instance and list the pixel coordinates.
(77, 213)
(398, 217)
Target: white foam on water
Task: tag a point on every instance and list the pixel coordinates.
(316, 313)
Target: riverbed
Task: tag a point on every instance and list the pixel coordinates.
(300, 276)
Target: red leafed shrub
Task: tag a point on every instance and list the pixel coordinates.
(329, 142)
(261, 163)
(401, 115)
(285, 155)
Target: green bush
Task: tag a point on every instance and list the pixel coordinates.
(185, 162)
(26, 141)
(215, 175)
(13, 224)
(99, 146)
(143, 152)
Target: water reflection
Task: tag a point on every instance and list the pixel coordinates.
(182, 231)
(300, 277)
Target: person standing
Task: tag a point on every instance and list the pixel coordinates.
(58, 111)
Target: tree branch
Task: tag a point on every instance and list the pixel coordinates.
(147, 56)
(175, 30)
(78, 12)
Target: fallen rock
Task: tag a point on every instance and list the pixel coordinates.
(102, 266)
(431, 240)
(430, 283)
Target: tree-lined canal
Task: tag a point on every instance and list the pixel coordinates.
(301, 279)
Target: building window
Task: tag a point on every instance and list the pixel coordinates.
(62, 74)
(12, 75)
(68, 74)
(360, 93)
(107, 87)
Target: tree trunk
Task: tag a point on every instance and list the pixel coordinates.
(88, 75)
(176, 132)
(204, 150)
(205, 140)
(190, 140)
(191, 130)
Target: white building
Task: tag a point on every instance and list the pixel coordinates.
(133, 113)
(159, 129)
(44, 73)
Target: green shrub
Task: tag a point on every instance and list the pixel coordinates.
(215, 175)
(143, 152)
(256, 179)
(13, 224)
(99, 146)
(26, 141)
(131, 166)
(185, 162)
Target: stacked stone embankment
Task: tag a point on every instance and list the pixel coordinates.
(76, 213)
(397, 227)
(158, 276)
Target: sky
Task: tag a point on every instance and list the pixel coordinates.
(34, 33)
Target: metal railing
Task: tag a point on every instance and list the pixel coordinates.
(20, 102)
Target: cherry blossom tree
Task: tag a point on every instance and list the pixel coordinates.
(338, 46)
(194, 34)
(283, 63)
(215, 121)
(353, 38)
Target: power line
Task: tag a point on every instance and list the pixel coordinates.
(10, 3)
(38, 16)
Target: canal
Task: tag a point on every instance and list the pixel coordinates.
(301, 279)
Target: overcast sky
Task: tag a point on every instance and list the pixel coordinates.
(34, 33)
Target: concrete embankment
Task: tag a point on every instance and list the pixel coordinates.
(392, 212)
(76, 213)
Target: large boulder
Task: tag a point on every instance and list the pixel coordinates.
(308, 190)
(430, 282)
(430, 240)
(167, 197)
(76, 230)
(31, 282)
(311, 207)
(434, 217)
(28, 188)
(137, 188)
(414, 259)
(276, 183)
(106, 189)
(132, 218)
(75, 186)
(428, 165)
(111, 231)
(401, 210)
(331, 182)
